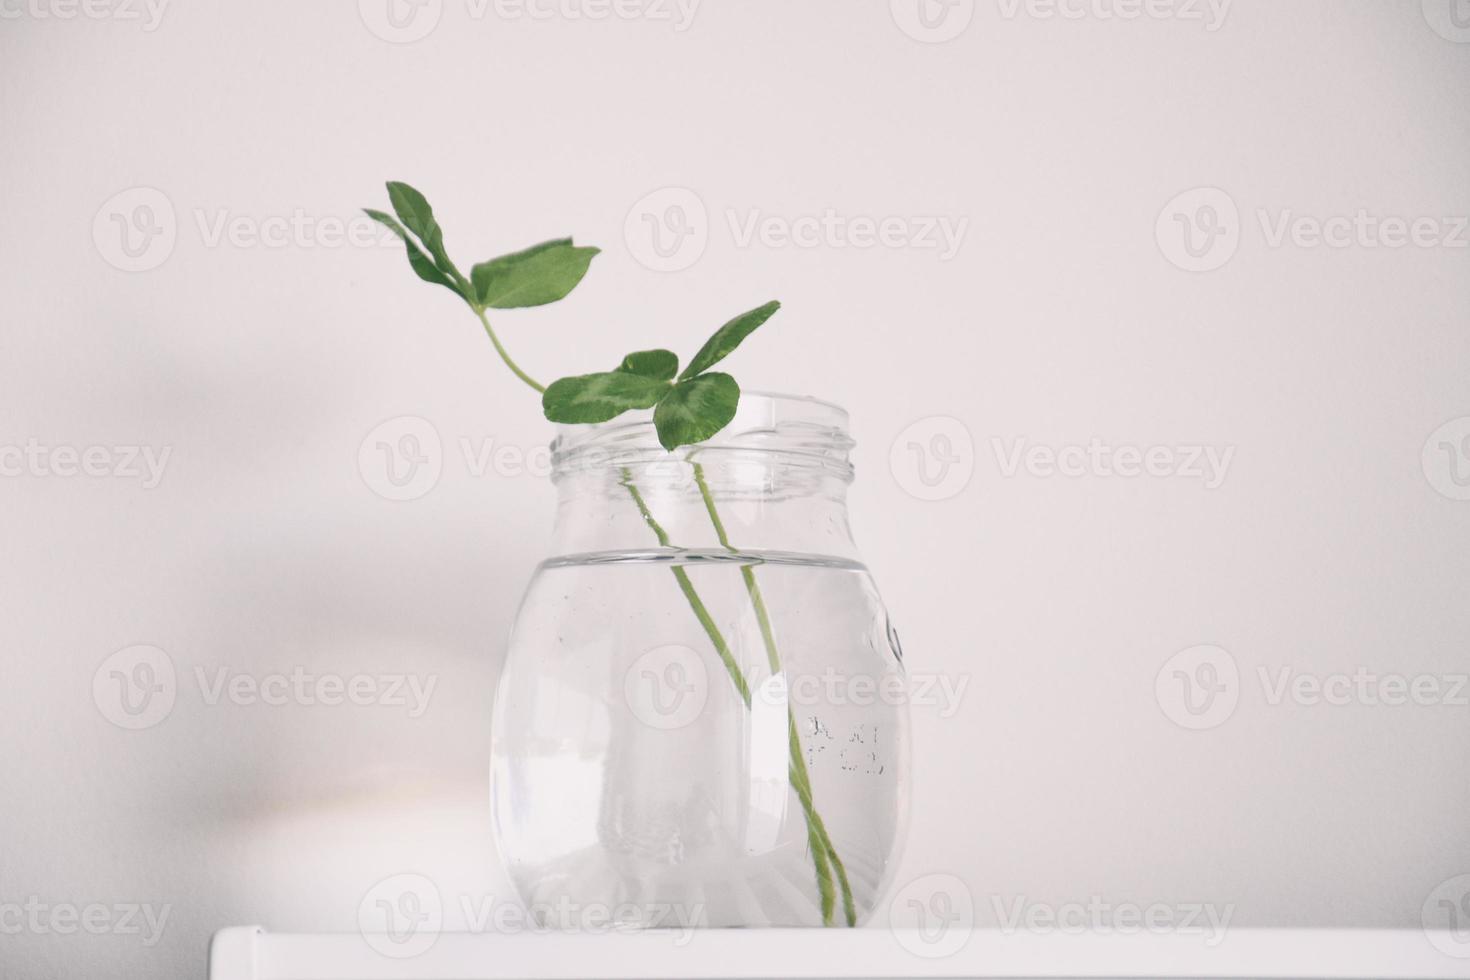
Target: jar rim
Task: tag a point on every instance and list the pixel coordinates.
(764, 422)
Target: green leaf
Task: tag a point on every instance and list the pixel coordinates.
(413, 210)
(696, 409)
(661, 365)
(421, 263)
(539, 275)
(727, 338)
(599, 397)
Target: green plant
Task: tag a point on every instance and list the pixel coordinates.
(689, 407)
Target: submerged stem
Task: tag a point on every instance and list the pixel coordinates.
(823, 850)
(824, 854)
(701, 612)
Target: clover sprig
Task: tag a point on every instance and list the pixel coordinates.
(689, 406)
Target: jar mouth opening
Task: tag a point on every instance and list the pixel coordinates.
(766, 423)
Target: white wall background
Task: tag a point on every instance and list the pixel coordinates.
(1335, 541)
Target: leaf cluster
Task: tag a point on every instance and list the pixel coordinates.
(536, 276)
(689, 406)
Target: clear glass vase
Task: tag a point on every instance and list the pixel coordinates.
(701, 719)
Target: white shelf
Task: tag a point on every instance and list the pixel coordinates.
(250, 953)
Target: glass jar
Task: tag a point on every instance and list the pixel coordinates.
(702, 719)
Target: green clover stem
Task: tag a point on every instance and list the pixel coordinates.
(819, 859)
(701, 612)
(504, 354)
(800, 776)
(824, 854)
